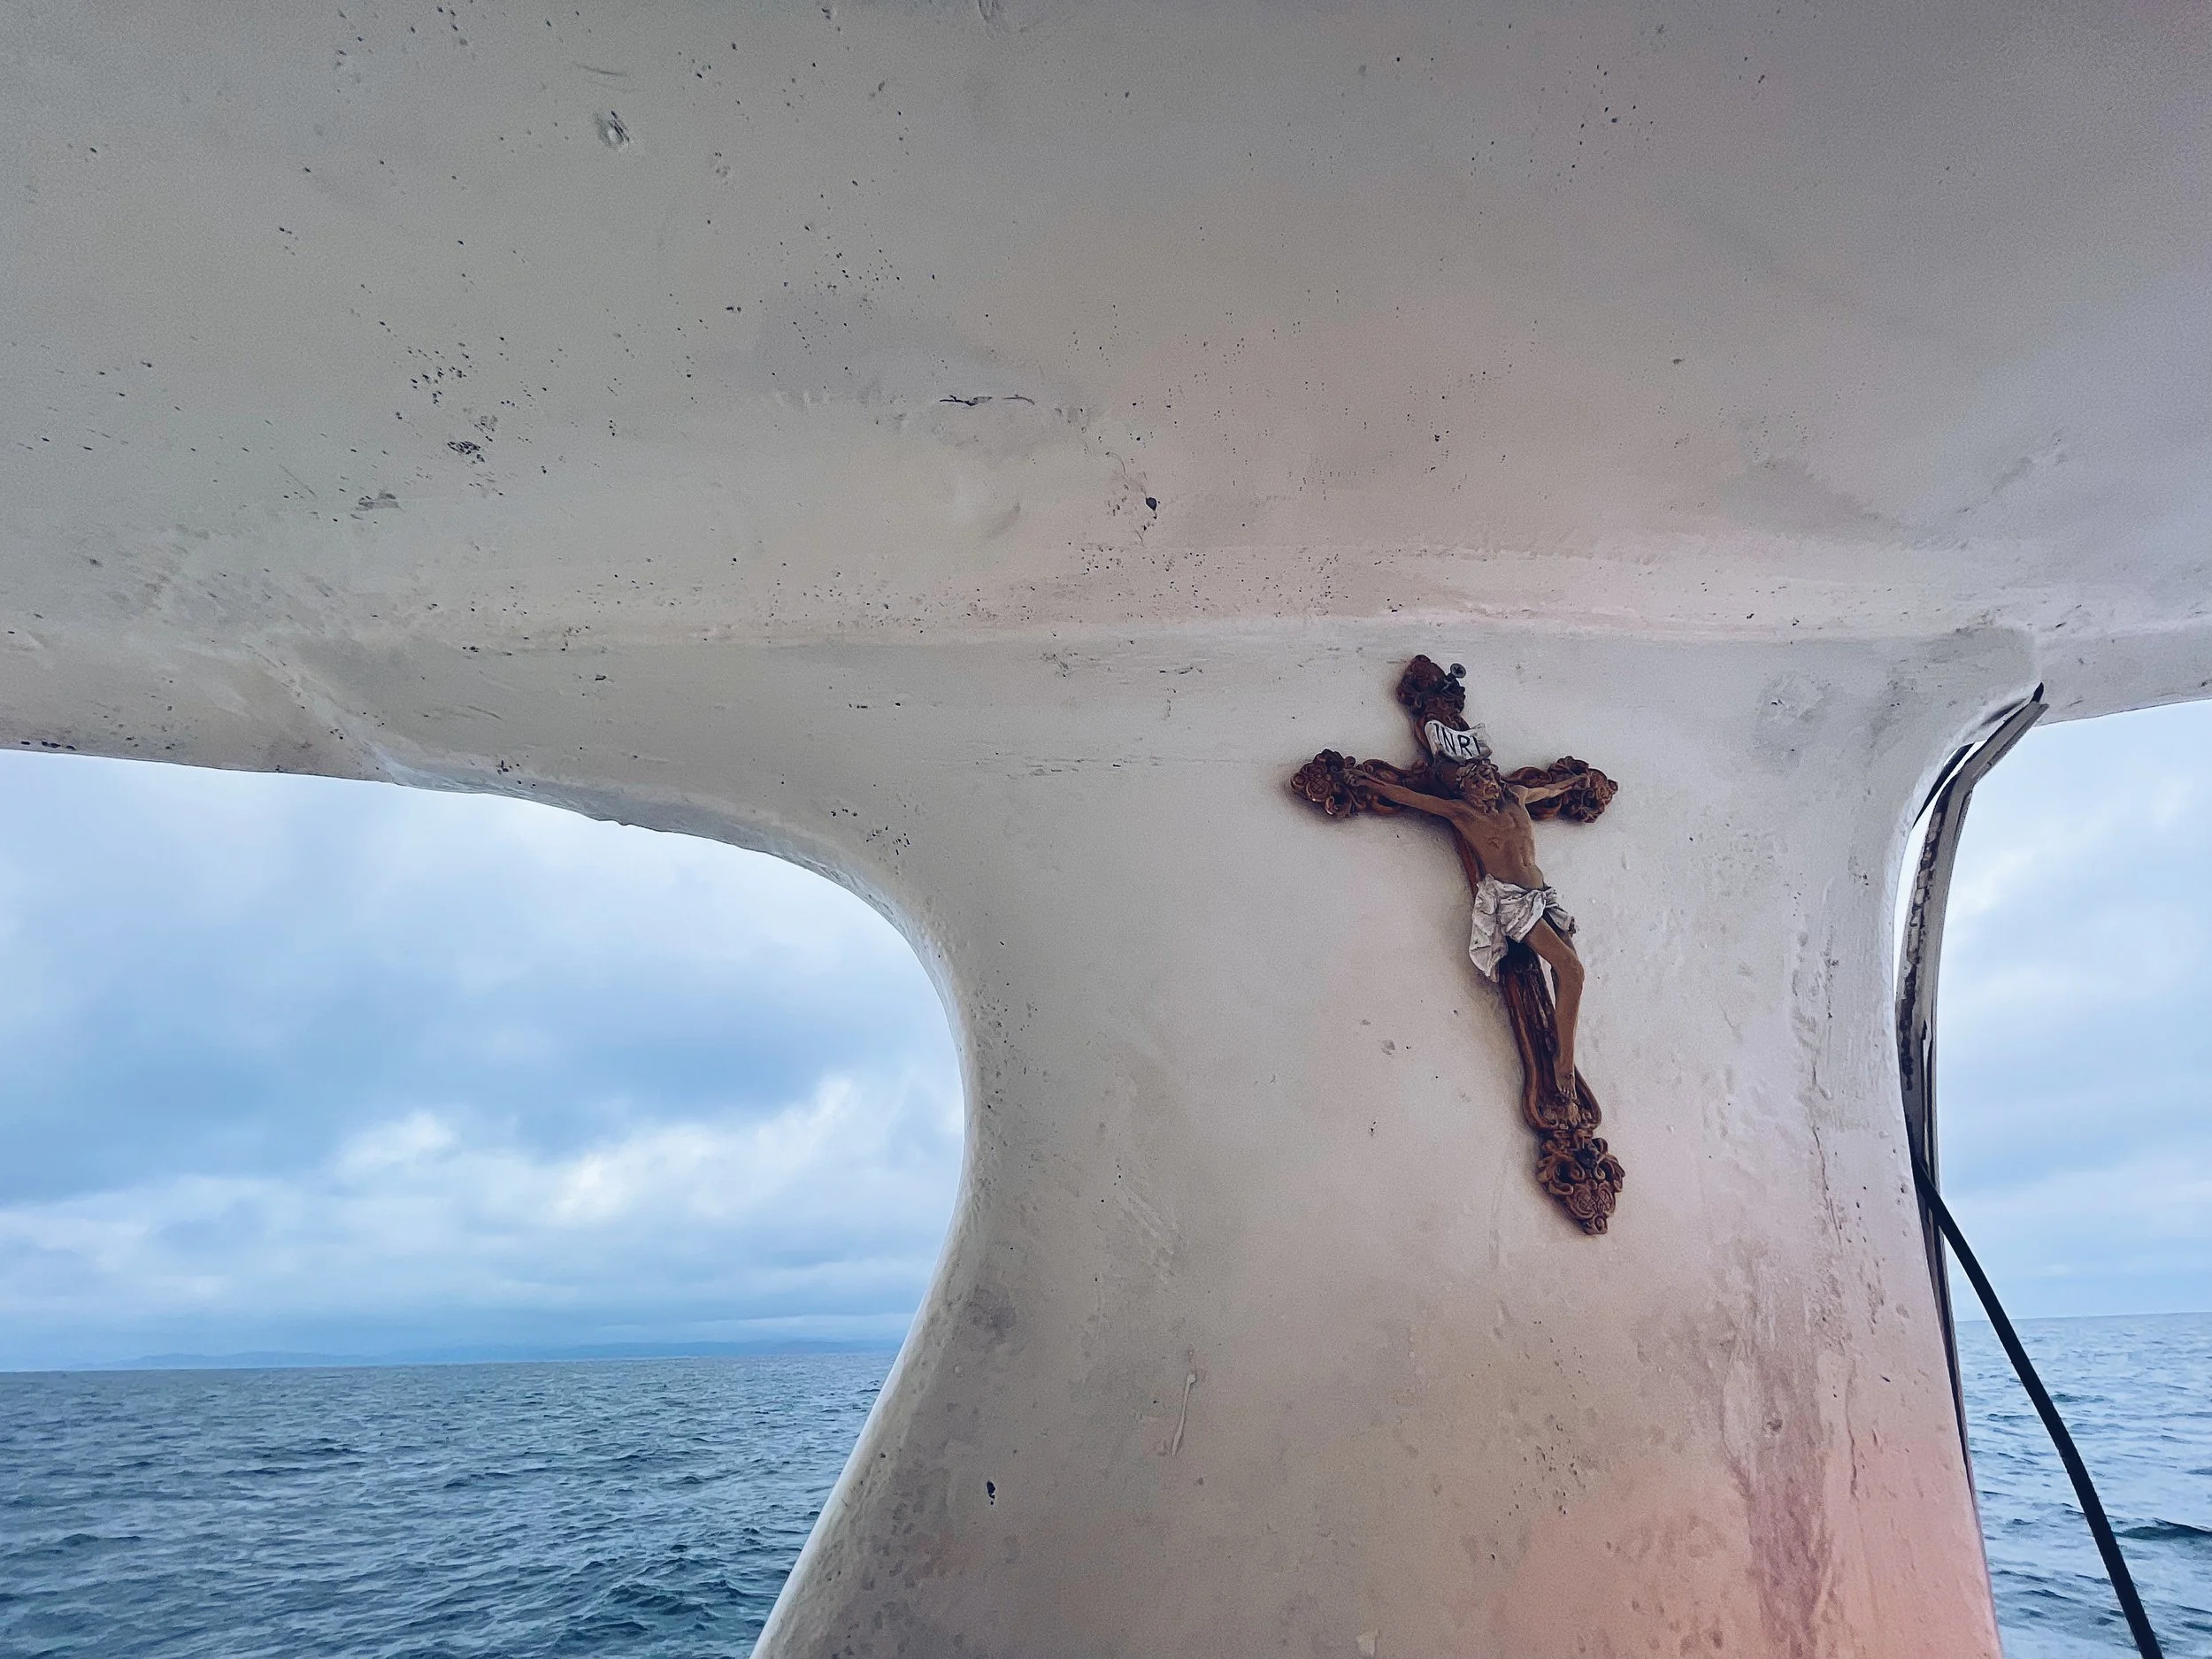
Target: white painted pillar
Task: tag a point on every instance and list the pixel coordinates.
(1256, 1335)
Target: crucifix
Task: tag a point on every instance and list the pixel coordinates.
(1520, 927)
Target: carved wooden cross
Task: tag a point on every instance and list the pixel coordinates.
(1518, 924)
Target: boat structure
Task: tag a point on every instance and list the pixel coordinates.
(985, 452)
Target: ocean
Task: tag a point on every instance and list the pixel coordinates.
(650, 1508)
(2137, 1393)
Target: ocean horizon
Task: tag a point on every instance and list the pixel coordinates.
(280, 1359)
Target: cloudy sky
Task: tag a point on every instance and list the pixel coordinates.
(2074, 1056)
(297, 1064)
(307, 1066)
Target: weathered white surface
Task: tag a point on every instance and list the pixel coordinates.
(1752, 396)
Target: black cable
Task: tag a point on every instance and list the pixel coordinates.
(2116, 1564)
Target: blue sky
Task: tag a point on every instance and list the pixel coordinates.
(302, 1065)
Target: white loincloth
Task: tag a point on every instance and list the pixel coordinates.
(1504, 913)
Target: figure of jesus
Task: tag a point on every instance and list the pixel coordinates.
(1489, 816)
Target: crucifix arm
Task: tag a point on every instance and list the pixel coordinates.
(1568, 789)
(1403, 796)
(1546, 791)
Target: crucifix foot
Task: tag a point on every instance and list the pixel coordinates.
(1577, 1168)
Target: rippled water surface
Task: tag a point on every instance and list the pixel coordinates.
(650, 1508)
(2138, 1395)
(629, 1510)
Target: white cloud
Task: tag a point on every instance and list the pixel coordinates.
(836, 1201)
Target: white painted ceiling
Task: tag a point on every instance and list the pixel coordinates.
(785, 321)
